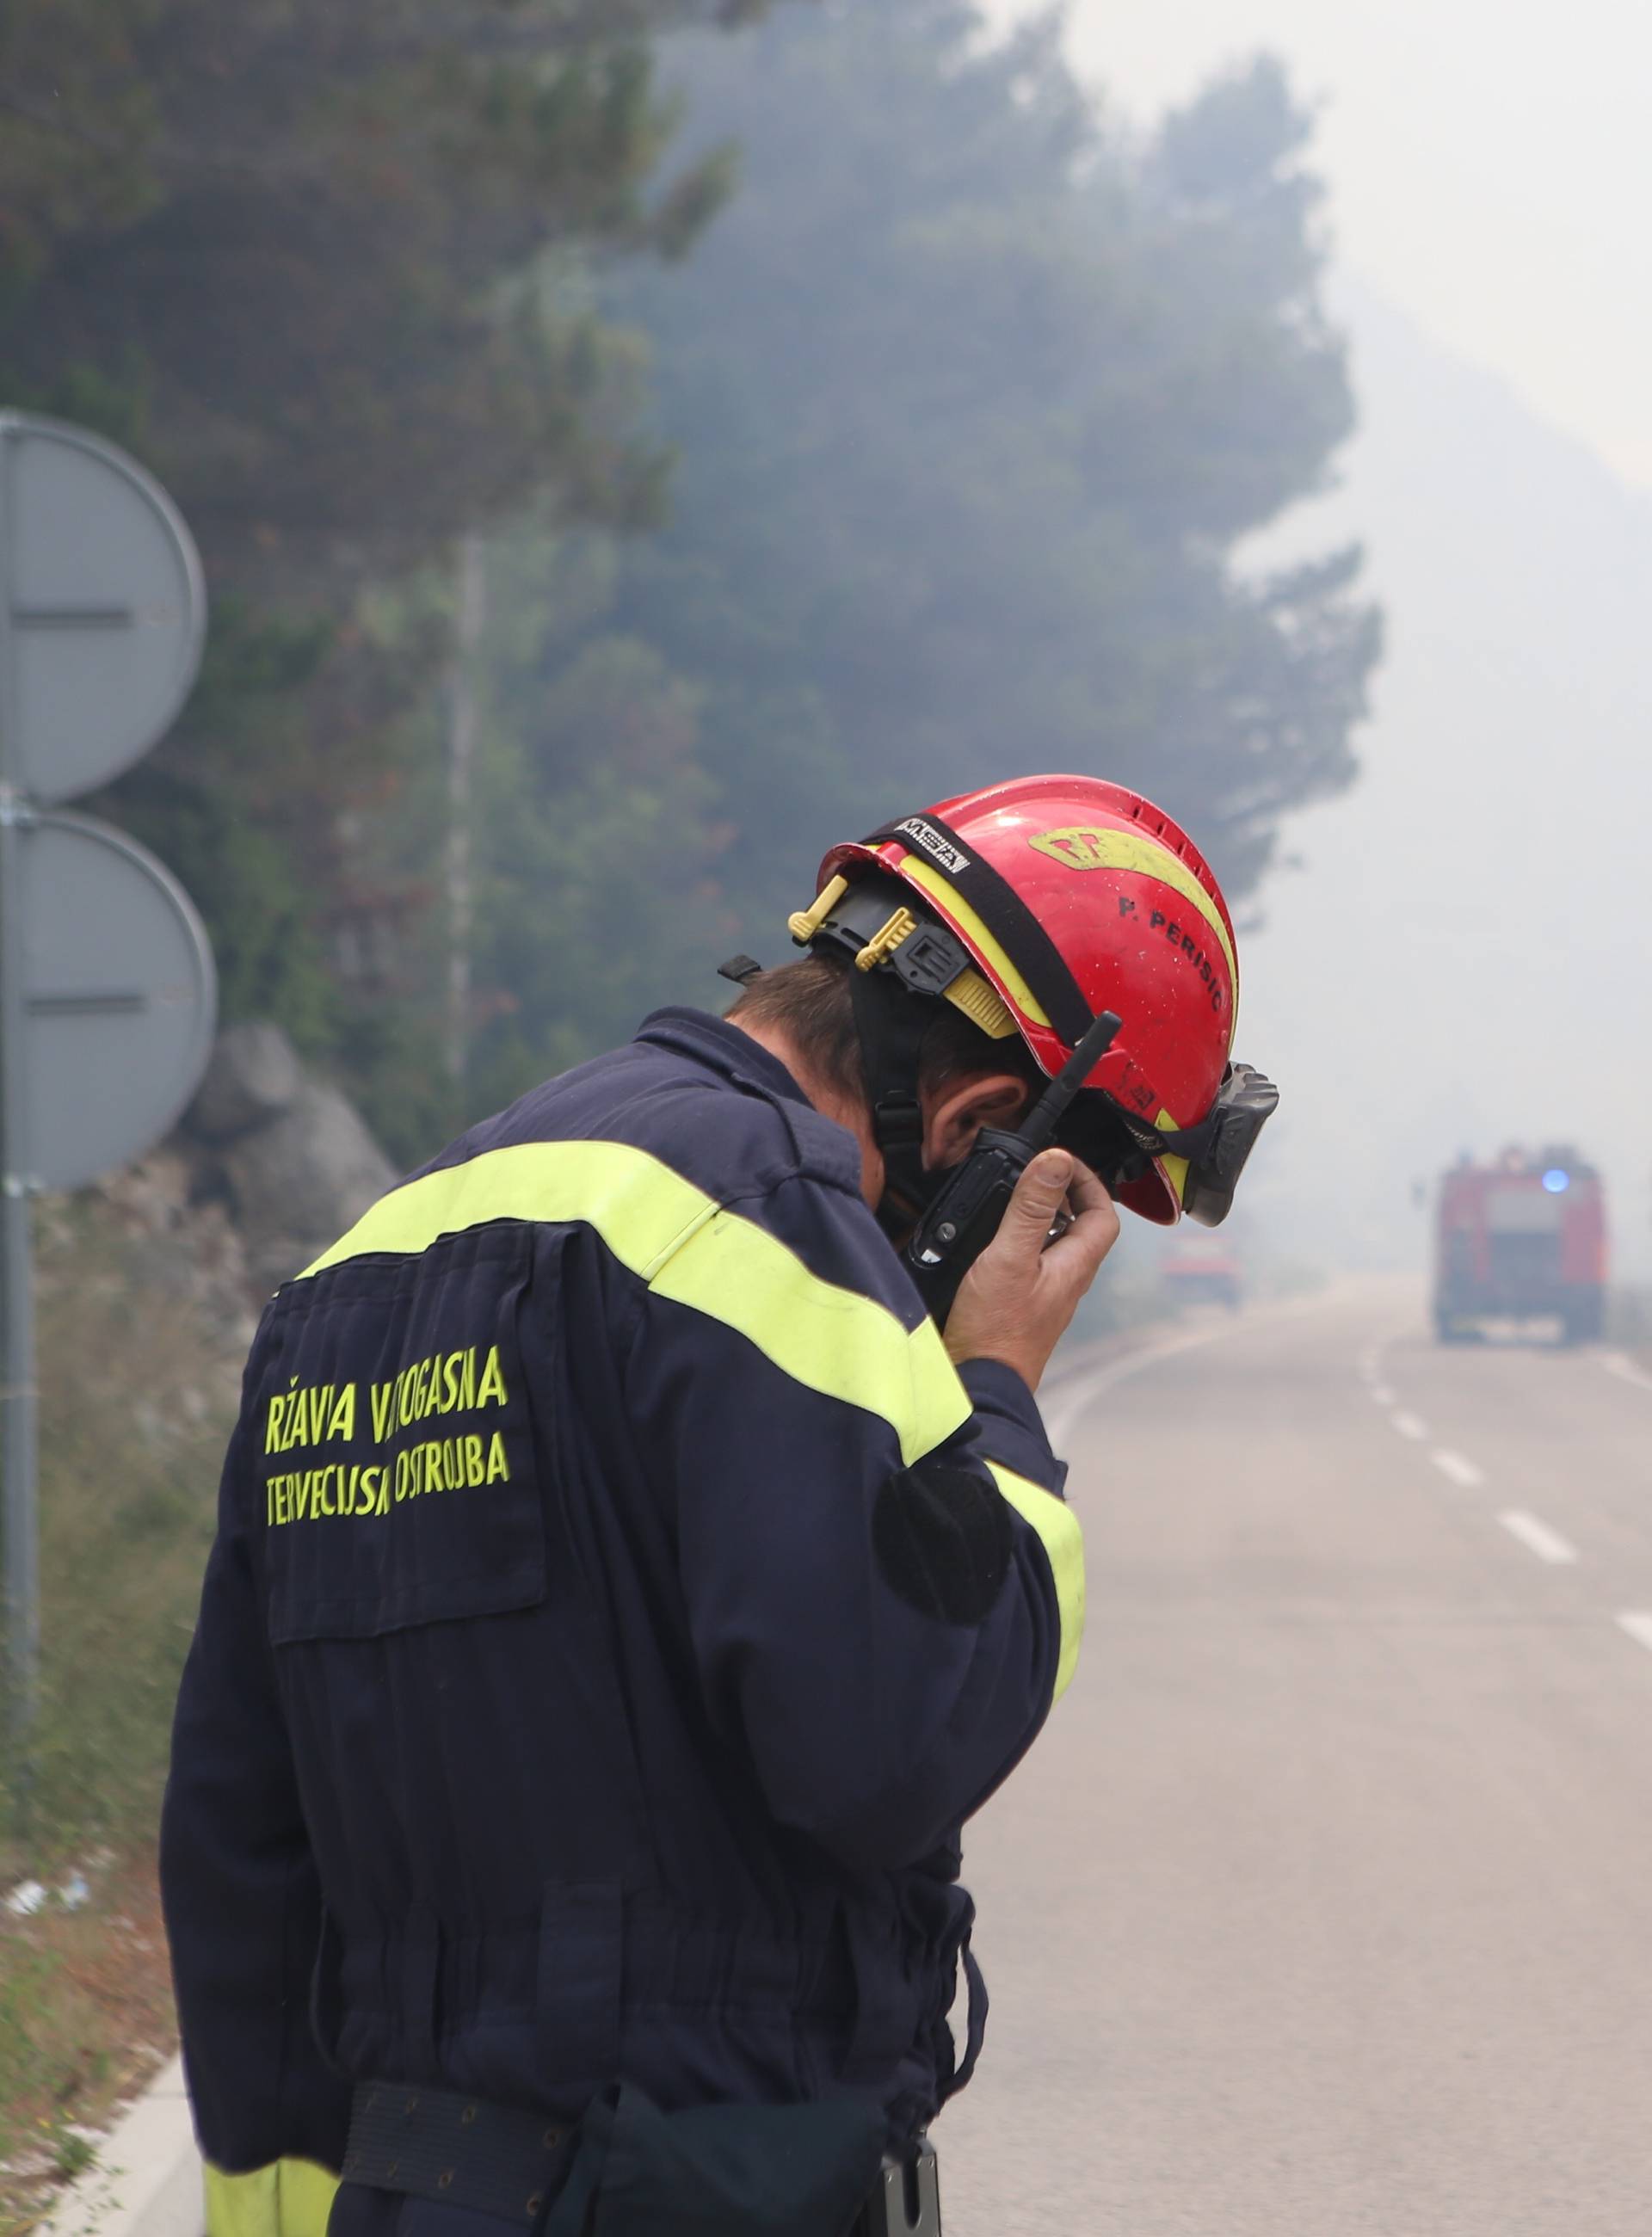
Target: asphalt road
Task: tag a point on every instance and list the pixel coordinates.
(1325, 1902)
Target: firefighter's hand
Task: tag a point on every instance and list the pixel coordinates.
(1016, 1300)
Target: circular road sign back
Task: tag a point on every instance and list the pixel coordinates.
(102, 614)
(119, 1000)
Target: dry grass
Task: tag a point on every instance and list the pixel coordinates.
(85, 2019)
(138, 1389)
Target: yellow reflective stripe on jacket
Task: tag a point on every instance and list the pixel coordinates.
(289, 2198)
(1063, 1542)
(830, 1339)
(695, 1251)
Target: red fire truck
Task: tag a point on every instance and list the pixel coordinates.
(1521, 1239)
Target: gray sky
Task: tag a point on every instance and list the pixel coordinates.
(1491, 168)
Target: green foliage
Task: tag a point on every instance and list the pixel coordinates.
(976, 401)
(133, 1418)
(134, 1408)
(965, 408)
(311, 261)
(235, 825)
(324, 269)
(600, 842)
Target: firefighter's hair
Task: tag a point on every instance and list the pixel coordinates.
(812, 1002)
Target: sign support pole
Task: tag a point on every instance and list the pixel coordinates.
(19, 1428)
(18, 1392)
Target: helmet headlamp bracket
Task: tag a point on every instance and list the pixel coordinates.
(890, 1028)
(872, 921)
(898, 955)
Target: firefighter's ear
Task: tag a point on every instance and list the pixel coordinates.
(953, 1117)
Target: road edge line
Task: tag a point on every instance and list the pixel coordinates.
(1619, 1364)
(1079, 1385)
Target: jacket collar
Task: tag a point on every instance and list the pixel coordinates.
(723, 1049)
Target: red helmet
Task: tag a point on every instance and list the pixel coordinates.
(1072, 896)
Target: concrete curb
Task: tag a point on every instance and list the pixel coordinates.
(146, 2179)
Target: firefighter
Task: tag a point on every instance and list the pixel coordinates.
(625, 1590)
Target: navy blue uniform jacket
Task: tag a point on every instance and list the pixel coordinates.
(619, 1602)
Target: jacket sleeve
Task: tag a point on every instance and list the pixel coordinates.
(243, 1914)
(885, 1586)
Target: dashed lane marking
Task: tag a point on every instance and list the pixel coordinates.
(1616, 1362)
(1536, 1535)
(1461, 1471)
(1409, 1426)
(1638, 1624)
(1382, 1394)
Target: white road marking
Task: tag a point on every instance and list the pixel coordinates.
(1369, 1366)
(1638, 1625)
(1615, 1362)
(1460, 1471)
(1066, 1405)
(1382, 1394)
(1537, 1536)
(1409, 1426)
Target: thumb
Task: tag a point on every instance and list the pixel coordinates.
(1039, 1191)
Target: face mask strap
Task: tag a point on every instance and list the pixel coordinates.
(900, 966)
(890, 1024)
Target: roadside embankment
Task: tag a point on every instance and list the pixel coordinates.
(148, 1290)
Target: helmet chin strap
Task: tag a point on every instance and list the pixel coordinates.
(890, 1024)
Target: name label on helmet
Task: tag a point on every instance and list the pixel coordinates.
(922, 834)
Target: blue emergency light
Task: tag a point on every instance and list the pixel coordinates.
(1555, 1180)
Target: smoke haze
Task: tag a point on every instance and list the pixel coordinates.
(1464, 960)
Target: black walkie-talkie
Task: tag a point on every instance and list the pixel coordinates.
(966, 1214)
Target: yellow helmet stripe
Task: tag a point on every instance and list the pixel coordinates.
(1134, 850)
(987, 950)
(1172, 1170)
